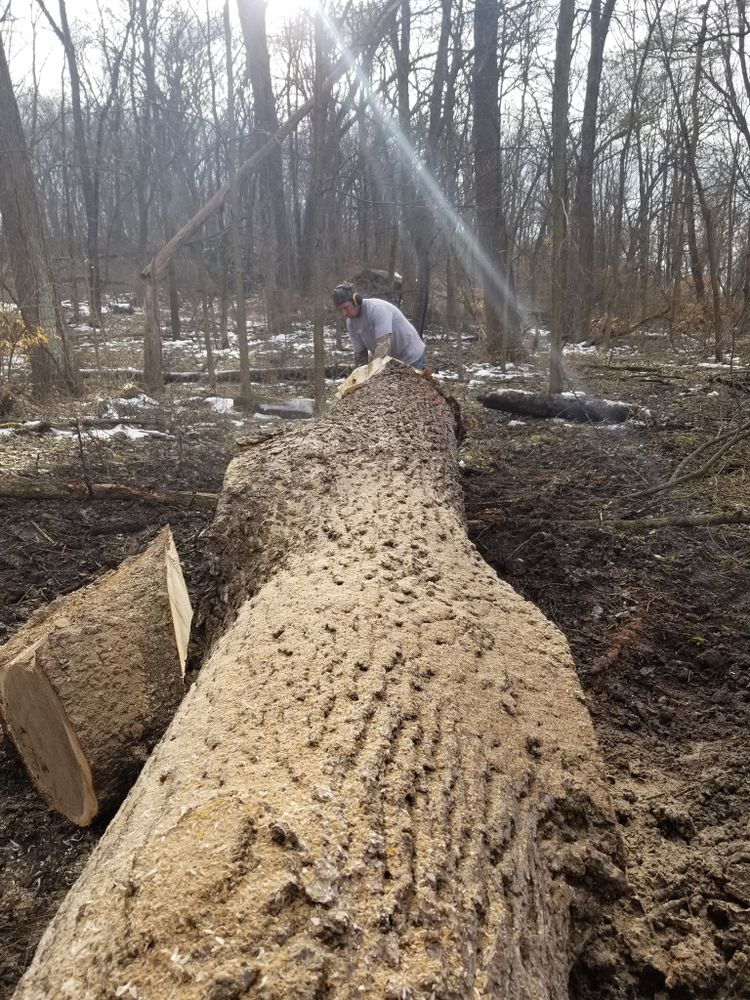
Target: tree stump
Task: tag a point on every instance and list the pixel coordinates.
(384, 782)
(91, 682)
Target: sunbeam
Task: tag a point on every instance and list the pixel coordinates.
(461, 238)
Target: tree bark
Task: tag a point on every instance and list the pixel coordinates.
(384, 782)
(88, 686)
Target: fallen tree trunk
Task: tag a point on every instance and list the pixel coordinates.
(262, 375)
(42, 488)
(91, 682)
(531, 404)
(384, 782)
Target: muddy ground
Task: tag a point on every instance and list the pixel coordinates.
(658, 621)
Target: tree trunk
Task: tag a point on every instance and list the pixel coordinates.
(23, 225)
(253, 23)
(384, 782)
(583, 205)
(558, 291)
(240, 313)
(88, 686)
(486, 141)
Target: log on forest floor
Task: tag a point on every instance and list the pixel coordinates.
(299, 373)
(43, 488)
(89, 684)
(384, 783)
(577, 408)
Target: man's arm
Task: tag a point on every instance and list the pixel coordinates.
(382, 328)
(382, 347)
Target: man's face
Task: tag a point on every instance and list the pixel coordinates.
(348, 310)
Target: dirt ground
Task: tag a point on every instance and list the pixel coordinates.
(658, 621)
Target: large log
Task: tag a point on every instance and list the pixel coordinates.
(385, 781)
(578, 408)
(89, 684)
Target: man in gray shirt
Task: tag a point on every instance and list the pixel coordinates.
(377, 328)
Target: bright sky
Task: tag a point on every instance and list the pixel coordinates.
(26, 46)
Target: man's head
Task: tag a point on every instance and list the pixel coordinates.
(347, 301)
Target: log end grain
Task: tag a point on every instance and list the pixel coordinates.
(41, 730)
(88, 686)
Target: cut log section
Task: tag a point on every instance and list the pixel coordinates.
(529, 404)
(384, 783)
(91, 682)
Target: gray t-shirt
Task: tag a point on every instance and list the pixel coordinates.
(378, 318)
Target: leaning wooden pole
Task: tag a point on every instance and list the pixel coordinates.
(384, 782)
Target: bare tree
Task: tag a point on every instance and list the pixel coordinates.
(24, 231)
(559, 186)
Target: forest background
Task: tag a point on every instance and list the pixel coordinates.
(586, 164)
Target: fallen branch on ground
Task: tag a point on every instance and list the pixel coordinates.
(299, 373)
(728, 439)
(19, 488)
(740, 516)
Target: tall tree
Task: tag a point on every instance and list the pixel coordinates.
(563, 49)
(279, 274)
(234, 218)
(24, 231)
(90, 167)
(582, 216)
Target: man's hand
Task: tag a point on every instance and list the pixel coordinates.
(360, 358)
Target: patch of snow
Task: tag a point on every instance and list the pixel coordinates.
(583, 347)
(736, 365)
(299, 407)
(122, 430)
(220, 404)
(516, 423)
(139, 402)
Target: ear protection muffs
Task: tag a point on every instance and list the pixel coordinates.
(356, 299)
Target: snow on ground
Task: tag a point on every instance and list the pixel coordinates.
(735, 364)
(118, 432)
(219, 404)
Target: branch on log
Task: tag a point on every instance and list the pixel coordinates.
(384, 782)
(262, 375)
(19, 488)
(581, 410)
(91, 682)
